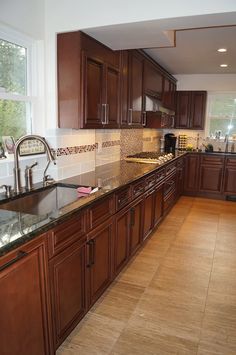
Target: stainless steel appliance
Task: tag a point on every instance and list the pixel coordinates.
(150, 158)
(170, 142)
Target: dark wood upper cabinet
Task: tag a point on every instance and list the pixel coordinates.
(25, 310)
(169, 93)
(190, 109)
(153, 80)
(88, 83)
(135, 87)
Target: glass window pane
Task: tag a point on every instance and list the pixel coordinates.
(14, 118)
(222, 113)
(13, 68)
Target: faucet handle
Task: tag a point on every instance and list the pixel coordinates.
(48, 180)
(7, 190)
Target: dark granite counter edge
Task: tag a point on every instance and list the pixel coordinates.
(86, 202)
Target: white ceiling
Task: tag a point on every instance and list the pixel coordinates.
(195, 48)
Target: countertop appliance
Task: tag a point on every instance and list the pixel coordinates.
(170, 142)
(150, 157)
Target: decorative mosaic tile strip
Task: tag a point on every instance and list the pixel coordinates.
(110, 143)
(147, 139)
(83, 148)
(76, 150)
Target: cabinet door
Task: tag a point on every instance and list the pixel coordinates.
(230, 176)
(68, 289)
(198, 107)
(158, 204)
(121, 246)
(93, 92)
(183, 109)
(211, 178)
(23, 299)
(153, 80)
(191, 181)
(112, 97)
(148, 214)
(135, 226)
(180, 178)
(230, 180)
(99, 260)
(135, 114)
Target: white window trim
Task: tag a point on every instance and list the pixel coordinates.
(33, 52)
(209, 93)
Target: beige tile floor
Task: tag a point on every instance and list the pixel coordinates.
(176, 296)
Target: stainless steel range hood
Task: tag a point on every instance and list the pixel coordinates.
(158, 116)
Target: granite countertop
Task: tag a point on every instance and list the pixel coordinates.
(16, 228)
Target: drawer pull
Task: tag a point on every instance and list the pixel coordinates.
(132, 217)
(21, 254)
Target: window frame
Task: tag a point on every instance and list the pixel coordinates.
(209, 94)
(12, 36)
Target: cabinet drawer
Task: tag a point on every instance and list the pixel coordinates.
(169, 201)
(138, 188)
(66, 233)
(123, 197)
(231, 161)
(150, 181)
(212, 160)
(170, 169)
(100, 211)
(160, 176)
(170, 185)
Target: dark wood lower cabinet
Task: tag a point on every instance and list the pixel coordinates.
(191, 180)
(136, 226)
(148, 214)
(121, 244)
(158, 204)
(67, 272)
(25, 311)
(229, 184)
(99, 260)
(211, 179)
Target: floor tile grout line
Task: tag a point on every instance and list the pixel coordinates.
(207, 293)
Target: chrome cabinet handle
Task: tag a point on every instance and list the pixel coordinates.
(130, 118)
(21, 254)
(144, 118)
(107, 113)
(104, 113)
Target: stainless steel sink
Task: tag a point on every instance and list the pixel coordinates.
(43, 202)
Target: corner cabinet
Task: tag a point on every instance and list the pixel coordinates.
(25, 311)
(190, 109)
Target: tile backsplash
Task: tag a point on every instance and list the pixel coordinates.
(80, 151)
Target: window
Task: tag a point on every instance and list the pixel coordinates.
(15, 98)
(221, 114)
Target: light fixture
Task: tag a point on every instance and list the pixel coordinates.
(224, 65)
(222, 50)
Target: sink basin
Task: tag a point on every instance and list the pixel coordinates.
(43, 202)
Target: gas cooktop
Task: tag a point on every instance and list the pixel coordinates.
(150, 157)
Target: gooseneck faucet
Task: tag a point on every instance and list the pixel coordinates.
(50, 158)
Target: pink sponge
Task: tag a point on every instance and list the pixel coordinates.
(83, 191)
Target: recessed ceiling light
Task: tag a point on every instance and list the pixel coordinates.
(222, 50)
(224, 65)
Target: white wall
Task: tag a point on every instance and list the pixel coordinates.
(208, 82)
(26, 16)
